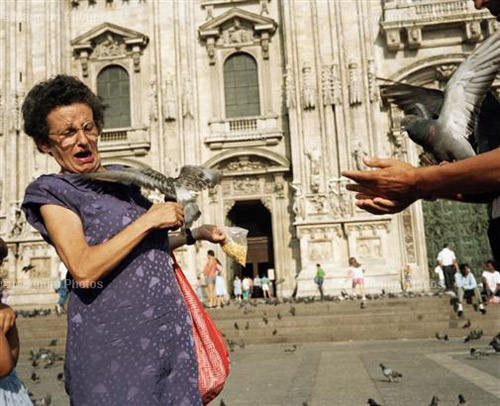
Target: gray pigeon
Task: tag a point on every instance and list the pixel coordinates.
(461, 400)
(372, 402)
(183, 189)
(443, 123)
(389, 373)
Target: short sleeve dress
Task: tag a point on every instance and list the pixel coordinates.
(129, 338)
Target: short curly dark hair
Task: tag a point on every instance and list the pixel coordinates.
(61, 90)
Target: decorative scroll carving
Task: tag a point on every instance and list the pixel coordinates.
(187, 99)
(354, 84)
(314, 157)
(372, 81)
(169, 99)
(308, 89)
(153, 101)
(290, 88)
(327, 85)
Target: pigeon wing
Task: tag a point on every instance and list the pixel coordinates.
(409, 97)
(468, 86)
(147, 177)
(197, 178)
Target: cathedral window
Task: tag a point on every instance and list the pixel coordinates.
(113, 88)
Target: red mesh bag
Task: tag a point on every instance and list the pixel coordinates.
(211, 351)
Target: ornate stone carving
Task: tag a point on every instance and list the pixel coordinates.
(209, 9)
(337, 84)
(245, 163)
(187, 98)
(228, 205)
(473, 31)
(169, 99)
(393, 39)
(111, 46)
(444, 72)
(268, 203)
(290, 88)
(308, 88)
(237, 34)
(414, 35)
(396, 136)
(318, 203)
(314, 156)
(18, 224)
(354, 84)
(279, 186)
(358, 154)
(17, 102)
(339, 198)
(368, 229)
(372, 81)
(153, 101)
(320, 251)
(246, 185)
(298, 202)
(369, 248)
(264, 9)
(408, 236)
(327, 85)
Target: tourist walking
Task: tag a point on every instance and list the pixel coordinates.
(237, 288)
(319, 279)
(220, 285)
(266, 291)
(448, 262)
(210, 273)
(357, 274)
(257, 287)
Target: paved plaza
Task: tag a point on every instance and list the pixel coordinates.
(347, 374)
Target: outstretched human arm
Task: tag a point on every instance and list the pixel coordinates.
(87, 264)
(207, 232)
(6, 359)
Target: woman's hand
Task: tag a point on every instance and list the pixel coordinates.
(211, 233)
(164, 216)
(7, 318)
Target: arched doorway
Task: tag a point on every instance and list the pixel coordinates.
(255, 217)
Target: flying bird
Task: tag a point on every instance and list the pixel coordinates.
(184, 189)
(389, 373)
(443, 122)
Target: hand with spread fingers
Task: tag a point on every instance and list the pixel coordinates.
(394, 181)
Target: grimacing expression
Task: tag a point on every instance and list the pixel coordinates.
(73, 139)
(492, 5)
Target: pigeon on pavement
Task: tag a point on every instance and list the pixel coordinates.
(443, 123)
(435, 401)
(467, 325)
(389, 373)
(183, 189)
(461, 400)
(372, 402)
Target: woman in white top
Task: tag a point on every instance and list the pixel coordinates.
(220, 285)
(357, 273)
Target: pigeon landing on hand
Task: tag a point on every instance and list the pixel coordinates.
(389, 373)
(443, 123)
(184, 189)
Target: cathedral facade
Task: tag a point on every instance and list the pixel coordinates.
(278, 95)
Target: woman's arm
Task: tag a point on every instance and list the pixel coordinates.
(6, 360)
(87, 263)
(205, 232)
(13, 340)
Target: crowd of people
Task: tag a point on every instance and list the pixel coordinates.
(459, 279)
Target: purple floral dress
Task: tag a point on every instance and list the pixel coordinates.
(130, 340)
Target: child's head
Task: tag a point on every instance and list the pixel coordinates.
(353, 262)
(211, 254)
(318, 265)
(3, 250)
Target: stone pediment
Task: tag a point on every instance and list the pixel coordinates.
(109, 41)
(237, 28)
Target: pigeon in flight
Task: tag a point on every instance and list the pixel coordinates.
(389, 373)
(183, 189)
(441, 122)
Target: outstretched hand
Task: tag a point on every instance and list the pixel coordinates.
(393, 180)
(211, 233)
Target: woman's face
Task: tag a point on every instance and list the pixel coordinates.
(73, 139)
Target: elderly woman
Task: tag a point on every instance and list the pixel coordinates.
(129, 336)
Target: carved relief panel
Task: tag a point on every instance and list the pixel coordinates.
(368, 241)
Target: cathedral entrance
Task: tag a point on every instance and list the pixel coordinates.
(254, 216)
(463, 226)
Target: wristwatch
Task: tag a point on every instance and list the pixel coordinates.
(189, 237)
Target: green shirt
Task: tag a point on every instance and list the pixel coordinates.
(320, 273)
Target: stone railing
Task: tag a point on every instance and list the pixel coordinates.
(114, 135)
(234, 130)
(125, 141)
(412, 18)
